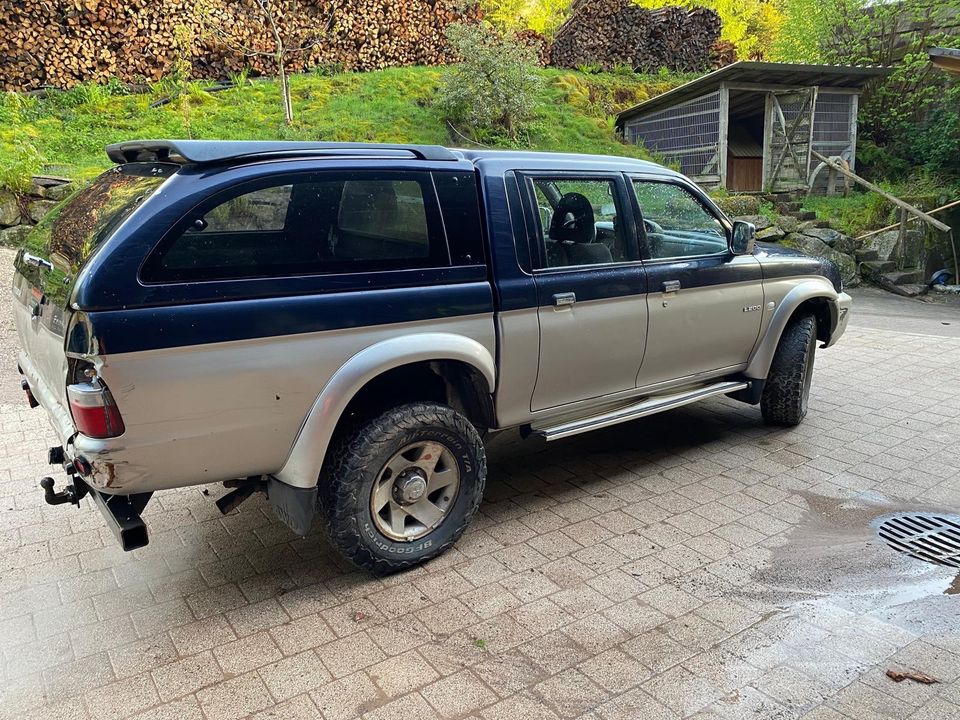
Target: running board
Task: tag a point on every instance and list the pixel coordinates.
(641, 409)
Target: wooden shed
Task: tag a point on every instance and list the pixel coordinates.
(750, 126)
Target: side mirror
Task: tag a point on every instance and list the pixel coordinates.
(744, 235)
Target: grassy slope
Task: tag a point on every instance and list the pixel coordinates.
(574, 113)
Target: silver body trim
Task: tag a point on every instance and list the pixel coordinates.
(646, 407)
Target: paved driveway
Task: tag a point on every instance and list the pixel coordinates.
(695, 564)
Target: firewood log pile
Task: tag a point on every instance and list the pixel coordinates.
(59, 43)
(722, 53)
(607, 33)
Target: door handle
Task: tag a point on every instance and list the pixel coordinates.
(671, 286)
(561, 299)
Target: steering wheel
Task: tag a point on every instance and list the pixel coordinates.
(651, 227)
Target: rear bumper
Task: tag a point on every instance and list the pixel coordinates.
(840, 311)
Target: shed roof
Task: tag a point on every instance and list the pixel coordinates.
(760, 73)
(946, 59)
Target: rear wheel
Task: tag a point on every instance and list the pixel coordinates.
(402, 487)
(787, 390)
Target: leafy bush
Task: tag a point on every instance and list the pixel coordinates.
(19, 158)
(494, 88)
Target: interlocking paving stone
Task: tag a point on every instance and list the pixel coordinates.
(694, 564)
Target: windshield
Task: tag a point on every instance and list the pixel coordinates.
(71, 231)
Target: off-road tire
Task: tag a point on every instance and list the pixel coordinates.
(786, 392)
(350, 473)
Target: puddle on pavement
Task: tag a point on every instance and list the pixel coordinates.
(834, 555)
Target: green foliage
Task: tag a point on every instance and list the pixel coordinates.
(20, 159)
(910, 121)
(493, 90)
(544, 16)
(571, 112)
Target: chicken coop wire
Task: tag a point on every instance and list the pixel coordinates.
(832, 121)
(687, 135)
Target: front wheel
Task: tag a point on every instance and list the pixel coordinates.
(403, 487)
(787, 390)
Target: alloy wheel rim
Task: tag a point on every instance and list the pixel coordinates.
(415, 491)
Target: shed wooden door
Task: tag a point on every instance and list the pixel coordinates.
(789, 135)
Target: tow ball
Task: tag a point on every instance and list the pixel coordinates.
(70, 494)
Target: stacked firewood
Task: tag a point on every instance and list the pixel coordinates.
(607, 33)
(722, 53)
(60, 43)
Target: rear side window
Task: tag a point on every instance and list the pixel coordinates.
(307, 225)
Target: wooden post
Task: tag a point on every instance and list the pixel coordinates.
(723, 134)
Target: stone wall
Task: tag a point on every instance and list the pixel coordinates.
(19, 213)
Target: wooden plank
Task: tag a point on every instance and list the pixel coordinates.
(870, 186)
(723, 132)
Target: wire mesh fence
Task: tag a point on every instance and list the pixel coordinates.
(686, 135)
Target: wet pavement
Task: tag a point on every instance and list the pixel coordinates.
(693, 564)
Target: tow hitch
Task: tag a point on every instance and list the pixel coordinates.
(122, 512)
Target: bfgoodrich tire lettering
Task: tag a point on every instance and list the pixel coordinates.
(357, 466)
(785, 394)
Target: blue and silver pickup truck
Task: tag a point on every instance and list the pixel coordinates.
(340, 325)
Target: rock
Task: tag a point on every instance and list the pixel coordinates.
(770, 234)
(9, 209)
(808, 224)
(827, 235)
(36, 209)
(885, 244)
(805, 215)
(760, 222)
(60, 192)
(817, 248)
(788, 223)
(846, 244)
(15, 236)
(947, 289)
(737, 205)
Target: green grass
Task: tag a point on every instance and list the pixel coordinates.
(70, 128)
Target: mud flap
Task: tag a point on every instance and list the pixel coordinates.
(293, 506)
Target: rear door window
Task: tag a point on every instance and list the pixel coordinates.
(322, 223)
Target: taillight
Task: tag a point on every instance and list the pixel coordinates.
(94, 411)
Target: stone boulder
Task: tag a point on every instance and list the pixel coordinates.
(9, 209)
(760, 222)
(846, 244)
(817, 248)
(36, 209)
(828, 236)
(774, 233)
(788, 223)
(885, 244)
(14, 236)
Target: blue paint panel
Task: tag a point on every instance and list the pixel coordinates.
(701, 272)
(138, 329)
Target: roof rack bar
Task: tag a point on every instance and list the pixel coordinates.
(211, 151)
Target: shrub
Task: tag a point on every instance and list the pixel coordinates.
(494, 88)
(19, 158)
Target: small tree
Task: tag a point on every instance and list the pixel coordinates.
(494, 87)
(281, 42)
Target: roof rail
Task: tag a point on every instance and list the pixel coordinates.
(211, 151)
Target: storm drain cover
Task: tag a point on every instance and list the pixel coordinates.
(925, 536)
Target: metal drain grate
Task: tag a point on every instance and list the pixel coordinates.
(933, 538)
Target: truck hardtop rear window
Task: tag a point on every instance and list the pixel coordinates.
(70, 232)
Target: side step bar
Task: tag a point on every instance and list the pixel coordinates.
(648, 406)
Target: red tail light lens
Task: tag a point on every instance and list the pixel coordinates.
(94, 411)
